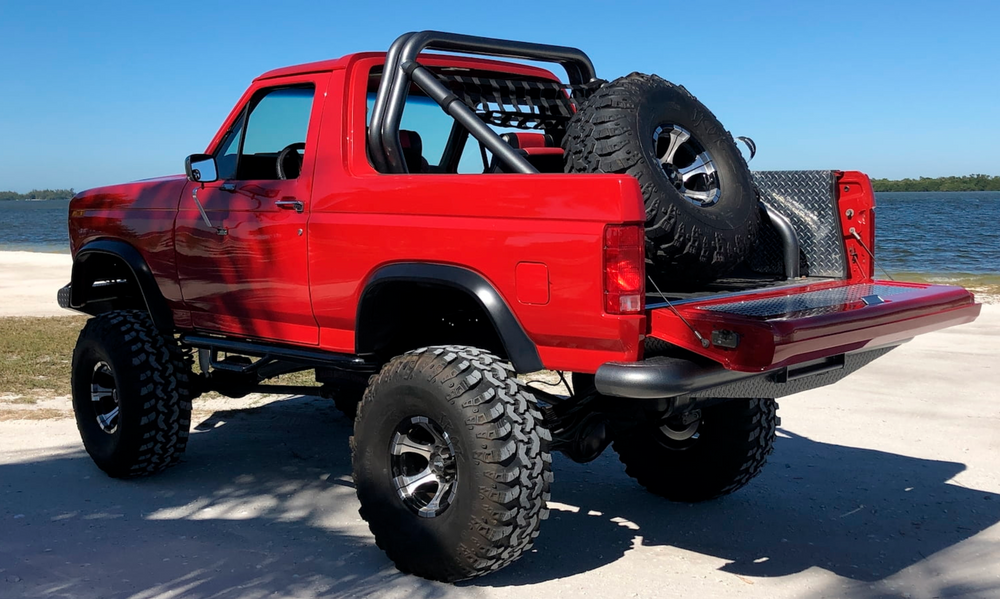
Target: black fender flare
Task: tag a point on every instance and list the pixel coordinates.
(521, 350)
(160, 313)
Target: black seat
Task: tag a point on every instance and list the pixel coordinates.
(413, 151)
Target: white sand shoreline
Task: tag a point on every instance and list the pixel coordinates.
(29, 282)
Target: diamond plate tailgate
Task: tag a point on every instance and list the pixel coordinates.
(789, 325)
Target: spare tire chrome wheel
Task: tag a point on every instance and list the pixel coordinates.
(687, 164)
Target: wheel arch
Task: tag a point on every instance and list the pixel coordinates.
(98, 260)
(389, 288)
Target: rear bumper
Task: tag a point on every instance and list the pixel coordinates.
(663, 377)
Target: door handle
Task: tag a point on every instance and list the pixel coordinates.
(289, 204)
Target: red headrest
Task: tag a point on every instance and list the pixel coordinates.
(528, 140)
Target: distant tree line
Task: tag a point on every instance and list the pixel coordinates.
(965, 183)
(38, 194)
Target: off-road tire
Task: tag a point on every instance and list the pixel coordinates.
(153, 378)
(612, 132)
(735, 438)
(503, 463)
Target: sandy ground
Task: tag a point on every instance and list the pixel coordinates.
(29, 282)
(886, 484)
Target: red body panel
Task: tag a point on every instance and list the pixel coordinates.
(538, 239)
(264, 280)
(141, 213)
(254, 280)
(857, 217)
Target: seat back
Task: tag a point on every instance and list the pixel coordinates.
(413, 151)
(538, 149)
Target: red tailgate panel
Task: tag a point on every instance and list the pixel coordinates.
(781, 327)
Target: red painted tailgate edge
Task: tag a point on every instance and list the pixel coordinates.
(776, 340)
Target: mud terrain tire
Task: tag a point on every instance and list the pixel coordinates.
(139, 382)
(486, 425)
(730, 448)
(701, 216)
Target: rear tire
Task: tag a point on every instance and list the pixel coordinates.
(726, 449)
(131, 394)
(458, 419)
(700, 220)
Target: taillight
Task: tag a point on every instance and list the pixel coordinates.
(624, 269)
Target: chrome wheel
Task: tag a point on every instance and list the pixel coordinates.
(424, 469)
(104, 397)
(680, 431)
(688, 166)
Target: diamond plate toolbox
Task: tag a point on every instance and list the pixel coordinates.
(808, 199)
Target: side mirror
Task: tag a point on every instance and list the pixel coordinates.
(201, 168)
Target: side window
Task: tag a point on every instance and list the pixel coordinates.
(275, 131)
(424, 131)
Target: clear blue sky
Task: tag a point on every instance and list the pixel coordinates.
(95, 93)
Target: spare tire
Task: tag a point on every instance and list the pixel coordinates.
(701, 207)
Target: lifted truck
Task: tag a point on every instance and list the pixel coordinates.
(419, 259)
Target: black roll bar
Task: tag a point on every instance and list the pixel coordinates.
(401, 67)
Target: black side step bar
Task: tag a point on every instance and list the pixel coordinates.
(273, 353)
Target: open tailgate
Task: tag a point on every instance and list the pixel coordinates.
(763, 330)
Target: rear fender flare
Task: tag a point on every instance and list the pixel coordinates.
(521, 350)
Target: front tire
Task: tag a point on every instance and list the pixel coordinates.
(131, 394)
(697, 460)
(451, 463)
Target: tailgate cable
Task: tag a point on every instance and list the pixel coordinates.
(857, 237)
(704, 342)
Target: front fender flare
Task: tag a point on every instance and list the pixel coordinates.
(144, 278)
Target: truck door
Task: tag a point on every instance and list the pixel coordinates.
(245, 270)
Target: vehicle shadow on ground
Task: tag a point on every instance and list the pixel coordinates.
(859, 513)
(264, 504)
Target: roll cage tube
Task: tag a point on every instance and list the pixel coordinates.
(401, 67)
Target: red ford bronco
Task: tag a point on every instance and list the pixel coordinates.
(420, 228)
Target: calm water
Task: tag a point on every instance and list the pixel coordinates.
(943, 236)
(951, 237)
(34, 226)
